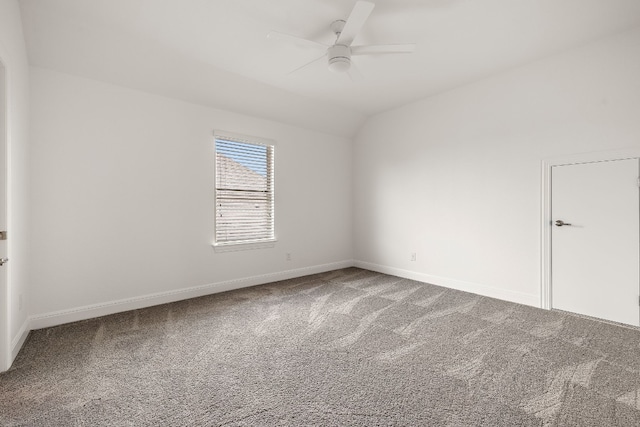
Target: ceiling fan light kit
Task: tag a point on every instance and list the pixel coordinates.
(339, 58)
(339, 54)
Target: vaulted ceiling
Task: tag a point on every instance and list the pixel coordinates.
(216, 53)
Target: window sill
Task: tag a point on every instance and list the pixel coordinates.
(243, 246)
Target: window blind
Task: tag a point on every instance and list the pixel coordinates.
(243, 191)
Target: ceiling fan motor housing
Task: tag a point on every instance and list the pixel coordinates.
(339, 58)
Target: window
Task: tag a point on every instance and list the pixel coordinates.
(243, 189)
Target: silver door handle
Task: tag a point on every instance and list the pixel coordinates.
(560, 223)
(3, 261)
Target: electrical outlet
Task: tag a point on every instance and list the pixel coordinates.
(288, 256)
(413, 256)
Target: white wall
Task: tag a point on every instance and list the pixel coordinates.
(456, 177)
(123, 202)
(13, 55)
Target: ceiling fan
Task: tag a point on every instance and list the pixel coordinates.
(339, 54)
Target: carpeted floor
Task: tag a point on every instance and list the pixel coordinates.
(349, 347)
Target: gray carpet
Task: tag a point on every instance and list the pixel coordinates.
(349, 347)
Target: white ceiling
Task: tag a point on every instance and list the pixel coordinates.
(215, 52)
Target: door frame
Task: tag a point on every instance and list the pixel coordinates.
(5, 318)
(547, 165)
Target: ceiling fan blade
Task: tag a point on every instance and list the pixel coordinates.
(383, 48)
(356, 20)
(307, 64)
(298, 41)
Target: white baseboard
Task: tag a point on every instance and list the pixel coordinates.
(20, 338)
(102, 309)
(476, 288)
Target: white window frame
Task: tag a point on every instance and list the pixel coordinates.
(238, 245)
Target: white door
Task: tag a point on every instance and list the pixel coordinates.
(595, 255)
